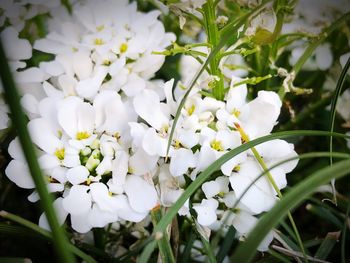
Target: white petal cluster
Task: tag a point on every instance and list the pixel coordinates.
(101, 128)
(102, 47)
(84, 112)
(16, 13)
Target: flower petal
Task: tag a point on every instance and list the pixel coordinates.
(60, 213)
(77, 175)
(78, 201)
(142, 196)
(18, 173)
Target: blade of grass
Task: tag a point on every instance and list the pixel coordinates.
(147, 252)
(336, 95)
(203, 176)
(327, 245)
(278, 256)
(325, 214)
(343, 237)
(186, 255)
(165, 250)
(297, 254)
(272, 182)
(217, 164)
(226, 244)
(46, 234)
(19, 121)
(244, 252)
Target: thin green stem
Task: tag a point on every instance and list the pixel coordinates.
(215, 166)
(274, 185)
(19, 120)
(165, 250)
(336, 95)
(213, 40)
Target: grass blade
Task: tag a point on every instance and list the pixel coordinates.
(336, 95)
(165, 250)
(46, 234)
(19, 120)
(202, 177)
(244, 252)
(226, 244)
(343, 237)
(327, 245)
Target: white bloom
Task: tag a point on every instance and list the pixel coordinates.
(206, 211)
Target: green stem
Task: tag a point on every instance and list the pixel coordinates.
(165, 250)
(19, 120)
(274, 185)
(213, 40)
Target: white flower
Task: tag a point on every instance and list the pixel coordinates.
(171, 190)
(218, 186)
(206, 211)
(17, 170)
(104, 46)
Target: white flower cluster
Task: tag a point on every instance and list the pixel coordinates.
(17, 12)
(101, 128)
(81, 109)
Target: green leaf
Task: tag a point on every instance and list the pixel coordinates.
(343, 238)
(327, 245)
(19, 120)
(325, 214)
(244, 252)
(186, 255)
(226, 244)
(336, 95)
(19, 231)
(147, 252)
(163, 242)
(46, 234)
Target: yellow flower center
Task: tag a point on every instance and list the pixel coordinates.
(123, 48)
(100, 28)
(177, 144)
(82, 135)
(236, 113)
(59, 153)
(237, 168)
(191, 109)
(216, 145)
(98, 41)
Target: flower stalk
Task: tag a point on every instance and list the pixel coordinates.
(261, 162)
(213, 40)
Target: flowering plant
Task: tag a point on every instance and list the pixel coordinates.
(161, 130)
